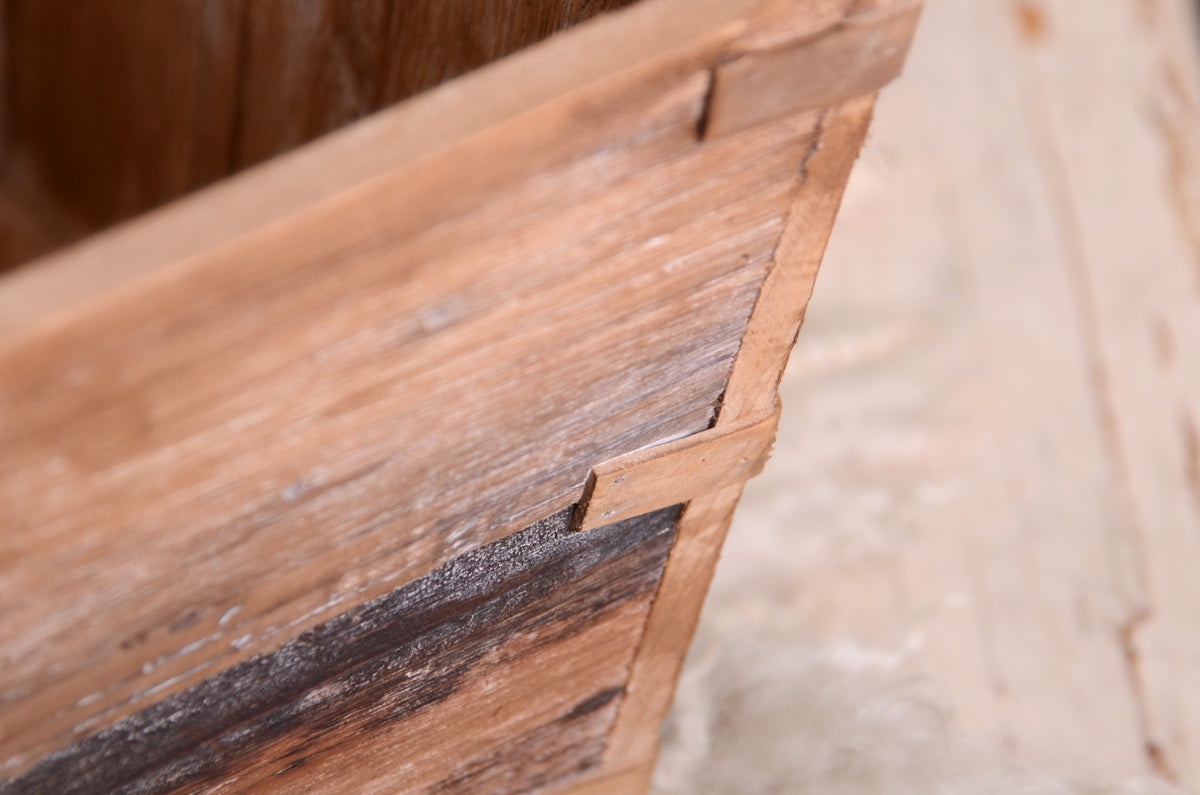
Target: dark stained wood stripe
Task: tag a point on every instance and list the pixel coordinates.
(366, 672)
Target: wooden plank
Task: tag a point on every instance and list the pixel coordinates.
(675, 472)
(419, 338)
(632, 781)
(117, 107)
(1132, 232)
(753, 382)
(858, 55)
(534, 631)
(779, 312)
(669, 628)
(288, 538)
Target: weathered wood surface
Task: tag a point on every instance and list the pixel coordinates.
(390, 348)
(367, 391)
(985, 470)
(466, 680)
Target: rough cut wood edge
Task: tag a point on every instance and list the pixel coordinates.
(753, 387)
(299, 579)
(675, 472)
(754, 382)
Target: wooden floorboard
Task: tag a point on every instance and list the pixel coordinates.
(986, 467)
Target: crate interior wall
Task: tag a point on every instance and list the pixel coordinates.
(399, 457)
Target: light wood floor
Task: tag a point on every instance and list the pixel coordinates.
(989, 463)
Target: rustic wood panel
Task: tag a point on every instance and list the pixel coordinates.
(312, 68)
(417, 338)
(427, 127)
(499, 672)
(158, 481)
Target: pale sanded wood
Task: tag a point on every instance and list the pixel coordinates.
(1130, 235)
(675, 472)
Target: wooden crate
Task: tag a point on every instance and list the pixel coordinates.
(400, 461)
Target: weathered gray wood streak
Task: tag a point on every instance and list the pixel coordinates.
(360, 676)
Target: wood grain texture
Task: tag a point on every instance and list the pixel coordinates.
(1131, 243)
(174, 96)
(436, 124)
(117, 107)
(388, 350)
(310, 69)
(628, 781)
(669, 628)
(306, 533)
(534, 631)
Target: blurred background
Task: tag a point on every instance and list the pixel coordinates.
(973, 563)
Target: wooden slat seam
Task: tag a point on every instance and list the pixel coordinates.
(676, 471)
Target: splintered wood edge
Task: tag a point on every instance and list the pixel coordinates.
(431, 124)
(676, 472)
